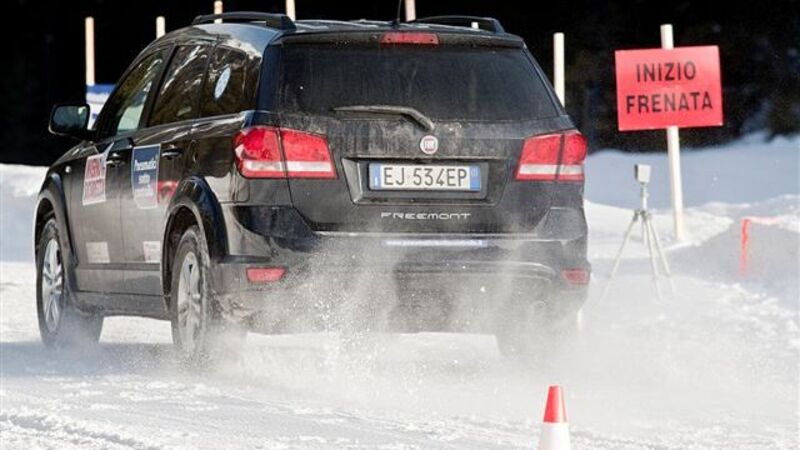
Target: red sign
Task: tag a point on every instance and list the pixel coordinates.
(657, 88)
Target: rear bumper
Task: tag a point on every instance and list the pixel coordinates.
(490, 269)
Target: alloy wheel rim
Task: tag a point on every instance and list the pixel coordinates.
(52, 285)
(190, 303)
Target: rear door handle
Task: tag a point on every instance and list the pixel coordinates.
(171, 151)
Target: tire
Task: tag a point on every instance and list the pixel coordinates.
(531, 334)
(199, 332)
(61, 324)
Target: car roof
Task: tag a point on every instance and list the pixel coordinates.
(255, 31)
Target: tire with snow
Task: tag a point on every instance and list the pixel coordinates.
(199, 332)
(530, 335)
(61, 324)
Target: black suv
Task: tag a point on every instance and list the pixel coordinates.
(254, 172)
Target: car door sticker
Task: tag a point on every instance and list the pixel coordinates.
(222, 82)
(152, 251)
(94, 180)
(97, 252)
(144, 176)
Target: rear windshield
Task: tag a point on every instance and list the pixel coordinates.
(442, 83)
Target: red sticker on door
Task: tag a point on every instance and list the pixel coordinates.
(94, 180)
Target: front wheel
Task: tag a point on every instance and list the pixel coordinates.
(61, 324)
(198, 330)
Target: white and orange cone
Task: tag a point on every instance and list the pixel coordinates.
(555, 429)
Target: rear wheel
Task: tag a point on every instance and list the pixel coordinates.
(61, 324)
(531, 332)
(199, 332)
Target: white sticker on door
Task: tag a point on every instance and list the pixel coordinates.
(97, 252)
(94, 180)
(144, 176)
(222, 82)
(152, 251)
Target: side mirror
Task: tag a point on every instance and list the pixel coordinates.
(70, 120)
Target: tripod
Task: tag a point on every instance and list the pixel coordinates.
(651, 240)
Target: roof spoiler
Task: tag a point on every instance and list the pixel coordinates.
(484, 23)
(277, 21)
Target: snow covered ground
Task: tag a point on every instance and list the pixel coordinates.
(714, 367)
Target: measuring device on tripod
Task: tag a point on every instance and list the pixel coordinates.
(649, 235)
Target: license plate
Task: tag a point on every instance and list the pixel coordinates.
(415, 177)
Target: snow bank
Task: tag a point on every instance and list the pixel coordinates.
(748, 170)
(19, 186)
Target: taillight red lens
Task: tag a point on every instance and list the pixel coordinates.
(410, 38)
(576, 277)
(573, 157)
(265, 274)
(542, 158)
(307, 155)
(258, 153)
(269, 152)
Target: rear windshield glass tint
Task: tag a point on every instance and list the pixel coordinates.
(442, 83)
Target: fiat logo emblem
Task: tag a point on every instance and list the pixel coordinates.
(429, 144)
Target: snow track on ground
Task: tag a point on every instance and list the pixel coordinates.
(716, 367)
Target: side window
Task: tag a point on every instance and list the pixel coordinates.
(125, 107)
(179, 96)
(228, 89)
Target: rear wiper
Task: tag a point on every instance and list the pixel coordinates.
(407, 111)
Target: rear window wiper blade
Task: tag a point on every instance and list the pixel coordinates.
(407, 111)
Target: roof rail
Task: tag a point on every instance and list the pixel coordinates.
(279, 21)
(484, 23)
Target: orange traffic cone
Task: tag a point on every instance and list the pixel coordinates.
(555, 429)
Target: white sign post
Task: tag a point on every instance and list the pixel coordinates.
(218, 10)
(290, 10)
(674, 155)
(88, 25)
(161, 26)
(411, 10)
(558, 66)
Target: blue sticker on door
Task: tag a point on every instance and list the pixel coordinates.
(144, 176)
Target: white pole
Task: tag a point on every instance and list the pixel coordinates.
(290, 11)
(218, 10)
(558, 65)
(674, 154)
(411, 10)
(161, 26)
(89, 38)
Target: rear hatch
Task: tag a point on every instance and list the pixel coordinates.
(423, 136)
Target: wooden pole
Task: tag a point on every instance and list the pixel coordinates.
(161, 26)
(411, 10)
(89, 39)
(558, 66)
(674, 155)
(218, 10)
(290, 9)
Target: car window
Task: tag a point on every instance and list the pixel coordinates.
(443, 83)
(229, 87)
(125, 107)
(179, 96)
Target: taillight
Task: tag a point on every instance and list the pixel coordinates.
(265, 274)
(576, 277)
(552, 157)
(410, 38)
(258, 153)
(307, 155)
(269, 152)
(571, 168)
